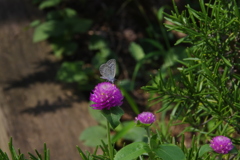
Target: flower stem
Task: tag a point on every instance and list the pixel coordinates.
(220, 157)
(110, 147)
(151, 154)
(148, 135)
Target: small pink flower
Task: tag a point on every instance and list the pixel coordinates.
(106, 95)
(146, 118)
(221, 144)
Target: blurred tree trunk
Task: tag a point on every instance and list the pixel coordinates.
(34, 108)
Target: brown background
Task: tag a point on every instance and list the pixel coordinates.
(34, 108)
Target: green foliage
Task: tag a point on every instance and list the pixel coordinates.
(206, 92)
(76, 72)
(202, 92)
(93, 136)
(128, 131)
(88, 156)
(132, 151)
(46, 30)
(101, 45)
(137, 149)
(169, 152)
(125, 87)
(63, 29)
(136, 51)
(59, 28)
(62, 24)
(113, 115)
(204, 149)
(49, 3)
(20, 156)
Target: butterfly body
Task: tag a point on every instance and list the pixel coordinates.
(108, 70)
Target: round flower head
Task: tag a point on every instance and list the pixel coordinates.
(106, 95)
(221, 144)
(146, 117)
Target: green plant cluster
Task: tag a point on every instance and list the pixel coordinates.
(17, 155)
(206, 94)
(202, 92)
(76, 38)
(60, 27)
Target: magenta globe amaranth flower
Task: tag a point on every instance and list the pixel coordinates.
(221, 144)
(146, 117)
(106, 95)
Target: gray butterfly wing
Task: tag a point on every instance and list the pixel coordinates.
(112, 65)
(104, 71)
(108, 70)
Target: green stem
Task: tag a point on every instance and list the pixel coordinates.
(220, 157)
(149, 137)
(110, 147)
(151, 154)
(165, 36)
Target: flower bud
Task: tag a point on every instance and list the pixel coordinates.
(146, 118)
(221, 144)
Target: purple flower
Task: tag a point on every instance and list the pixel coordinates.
(106, 95)
(221, 144)
(146, 118)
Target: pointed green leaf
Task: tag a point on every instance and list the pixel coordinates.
(128, 126)
(49, 3)
(47, 29)
(132, 151)
(136, 51)
(169, 152)
(204, 149)
(92, 136)
(113, 116)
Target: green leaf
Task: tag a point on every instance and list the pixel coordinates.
(234, 150)
(82, 154)
(170, 58)
(136, 134)
(61, 48)
(12, 150)
(97, 42)
(132, 151)
(113, 115)
(204, 149)
(47, 29)
(69, 12)
(169, 152)
(160, 13)
(92, 136)
(124, 130)
(72, 72)
(49, 3)
(226, 61)
(3, 155)
(63, 14)
(97, 115)
(181, 40)
(35, 23)
(136, 51)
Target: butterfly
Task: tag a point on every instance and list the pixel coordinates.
(108, 70)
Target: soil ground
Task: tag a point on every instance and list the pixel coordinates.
(35, 108)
